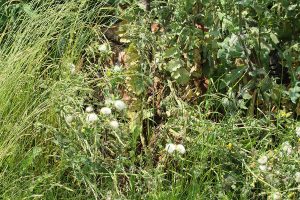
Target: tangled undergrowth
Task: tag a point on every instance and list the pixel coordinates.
(178, 100)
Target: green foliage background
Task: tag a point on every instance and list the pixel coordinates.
(201, 79)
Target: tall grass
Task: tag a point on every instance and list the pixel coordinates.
(35, 84)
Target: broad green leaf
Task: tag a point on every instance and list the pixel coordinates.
(232, 77)
(247, 96)
(137, 84)
(173, 65)
(274, 38)
(29, 159)
(182, 76)
(294, 93)
(265, 84)
(27, 9)
(170, 52)
(242, 104)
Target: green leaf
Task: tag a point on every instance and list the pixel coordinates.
(294, 93)
(29, 159)
(247, 96)
(182, 76)
(27, 9)
(173, 65)
(274, 38)
(232, 76)
(170, 52)
(265, 84)
(137, 84)
(242, 104)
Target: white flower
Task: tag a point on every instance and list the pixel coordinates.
(276, 196)
(287, 147)
(91, 117)
(142, 5)
(263, 167)
(117, 68)
(298, 131)
(103, 47)
(114, 124)
(119, 105)
(69, 118)
(180, 148)
(89, 109)
(262, 160)
(270, 177)
(170, 148)
(72, 68)
(105, 111)
(297, 177)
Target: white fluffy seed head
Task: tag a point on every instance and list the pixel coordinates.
(180, 148)
(262, 160)
(91, 117)
(114, 124)
(89, 109)
(105, 111)
(297, 177)
(117, 68)
(298, 131)
(69, 118)
(263, 167)
(287, 148)
(72, 68)
(170, 148)
(276, 196)
(103, 47)
(119, 105)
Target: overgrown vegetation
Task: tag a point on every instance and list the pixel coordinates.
(185, 99)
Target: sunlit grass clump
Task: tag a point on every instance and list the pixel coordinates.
(39, 88)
